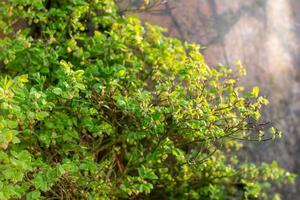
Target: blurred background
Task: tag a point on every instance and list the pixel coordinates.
(265, 36)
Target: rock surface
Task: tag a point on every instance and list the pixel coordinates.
(265, 36)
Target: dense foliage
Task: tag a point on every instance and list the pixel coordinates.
(95, 105)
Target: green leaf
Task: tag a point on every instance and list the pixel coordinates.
(41, 115)
(12, 124)
(57, 91)
(121, 73)
(147, 173)
(255, 91)
(34, 195)
(40, 182)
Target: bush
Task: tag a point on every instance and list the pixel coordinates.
(95, 105)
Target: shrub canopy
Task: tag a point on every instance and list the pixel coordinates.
(95, 105)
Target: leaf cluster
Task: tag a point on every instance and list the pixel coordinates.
(95, 105)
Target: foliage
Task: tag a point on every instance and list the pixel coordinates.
(95, 105)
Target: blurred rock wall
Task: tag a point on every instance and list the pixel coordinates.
(265, 36)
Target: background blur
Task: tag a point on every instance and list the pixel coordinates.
(265, 36)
